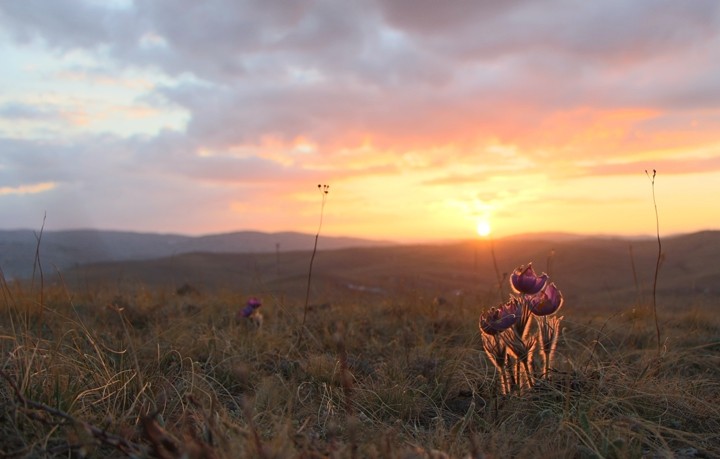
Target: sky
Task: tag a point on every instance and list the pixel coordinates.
(425, 118)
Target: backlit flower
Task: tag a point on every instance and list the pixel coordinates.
(501, 318)
(547, 301)
(525, 280)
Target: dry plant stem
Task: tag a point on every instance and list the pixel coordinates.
(7, 293)
(635, 278)
(659, 257)
(497, 271)
(307, 291)
(38, 265)
(324, 190)
(550, 257)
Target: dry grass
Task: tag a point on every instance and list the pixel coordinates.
(137, 372)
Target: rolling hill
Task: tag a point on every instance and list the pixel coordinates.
(64, 249)
(591, 272)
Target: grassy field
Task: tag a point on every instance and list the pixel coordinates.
(114, 361)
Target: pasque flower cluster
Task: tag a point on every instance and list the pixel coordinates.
(508, 337)
(250, 312)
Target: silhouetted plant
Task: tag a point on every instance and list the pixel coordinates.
(659, 256)
(324, 190)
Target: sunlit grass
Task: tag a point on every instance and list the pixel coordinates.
(150, 373)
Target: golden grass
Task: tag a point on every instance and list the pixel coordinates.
(148, 373)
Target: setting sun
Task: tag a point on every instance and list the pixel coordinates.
(494, 152)
(483, 228)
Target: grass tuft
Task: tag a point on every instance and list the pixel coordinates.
(142, 376)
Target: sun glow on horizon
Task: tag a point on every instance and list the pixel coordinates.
(483, 228)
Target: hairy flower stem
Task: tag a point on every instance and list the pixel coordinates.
(521, 349)
(496, 350)
(528, 373)
(549, 329)
(547, 362)
(509, 380)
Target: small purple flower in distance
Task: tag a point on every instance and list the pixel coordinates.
(501, 318)
(251, 306)
(547, 301)
(525, 280)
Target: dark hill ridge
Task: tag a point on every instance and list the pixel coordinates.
(64, 249)
(591, 272)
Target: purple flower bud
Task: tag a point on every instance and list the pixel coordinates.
(547, 301)
(250, 307)
(525, 280)
(501, 318)
(254, 302)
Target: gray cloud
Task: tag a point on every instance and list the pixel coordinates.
(608, 31)
(66, 24)
(20, 111)
(408, 76)
(401, 50)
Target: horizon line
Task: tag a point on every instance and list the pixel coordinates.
(562, 234)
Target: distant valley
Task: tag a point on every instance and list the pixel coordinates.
(60, 250)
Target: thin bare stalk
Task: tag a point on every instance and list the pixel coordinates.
(37, 265)
(324, 189)
(659, 256)
(634, 272)
(497, 270)
(550, 257)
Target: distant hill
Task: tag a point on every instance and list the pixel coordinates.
(592, 272)
(65, 249)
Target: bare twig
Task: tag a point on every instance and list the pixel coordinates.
(638, 291)
(550, 257)
(324, 189)
(497, 271)
(659, 256)
(37, 265)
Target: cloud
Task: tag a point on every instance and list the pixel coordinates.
(316, 66)
(257, 97)
(427, 16)
(609, 32)
(669, 166)
(20, 111)
(27, 189)
(51, 161)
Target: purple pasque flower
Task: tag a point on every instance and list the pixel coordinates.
(525, 280)
(547, 301)
(495, 320)
(250, 307)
